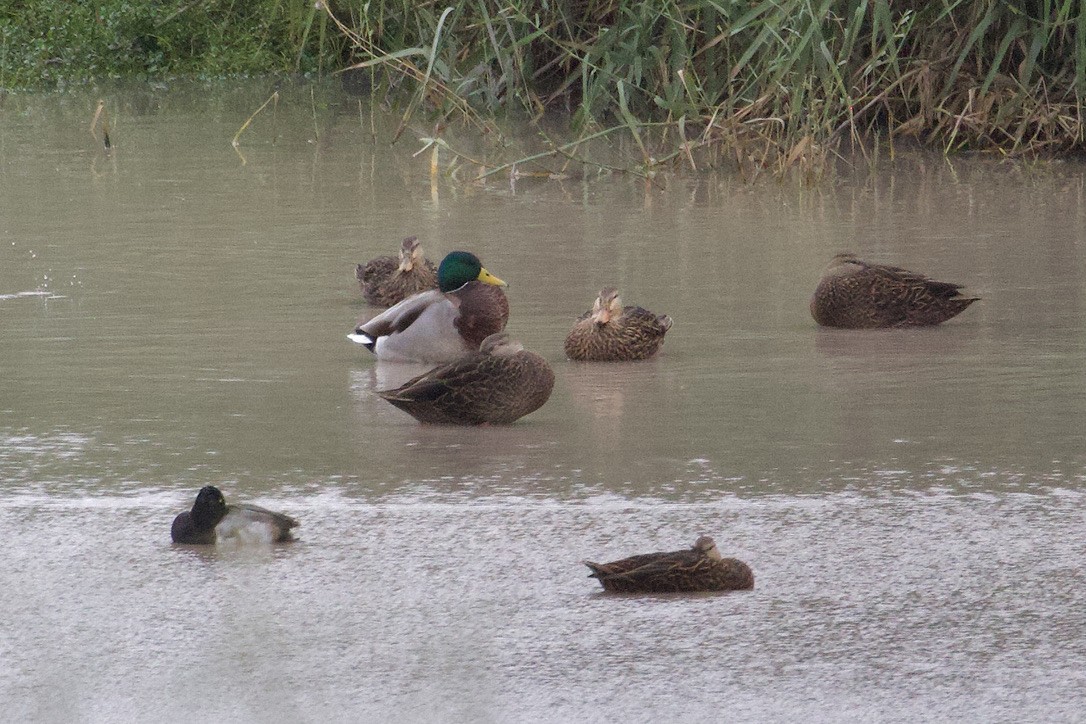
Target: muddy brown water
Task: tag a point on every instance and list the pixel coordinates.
(912, 502)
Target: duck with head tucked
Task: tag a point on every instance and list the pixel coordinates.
(855, 294)
(443, 324)
(699, 568)
(387, 280)
(212, 521)
(497, 385)
(610, 332)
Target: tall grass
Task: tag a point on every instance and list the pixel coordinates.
(758, 83)
(768, 82)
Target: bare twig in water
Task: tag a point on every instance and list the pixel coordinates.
(274, 97)
(101, 114)
(563, 150)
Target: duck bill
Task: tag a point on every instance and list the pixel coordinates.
(488, 278)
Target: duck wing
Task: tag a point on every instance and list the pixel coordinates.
(400, 316)
(903, 297)
(376, 270)
(600, 570)
(421, 328)
(632, 563)
(913, 281)
(688, 572)
(480, 388)
(245, 520)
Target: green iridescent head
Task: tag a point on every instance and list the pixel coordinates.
(460, 267)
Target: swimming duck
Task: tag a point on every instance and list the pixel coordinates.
(610, 332)
(700, 568)
(443, 324)
(387, 280)
(855, 294)
(211, 520)
(497, 385)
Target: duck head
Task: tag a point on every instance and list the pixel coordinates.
(608, 305)
(500, 344)
(707, 547)
(844, 264)
(209, 508)
(460, 267)
(410, 253)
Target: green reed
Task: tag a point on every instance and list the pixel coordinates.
(776, 83)
(761, 84)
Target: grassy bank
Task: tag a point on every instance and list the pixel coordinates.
(774, 83)
(46, 43)
(761, 84)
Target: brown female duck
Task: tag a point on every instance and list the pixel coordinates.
(442, 324)
(497, 385)
(387, 280)
(855, 294)
(610, 332)
(700, 568)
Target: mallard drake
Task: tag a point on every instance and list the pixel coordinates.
(211, 521)
(700, 568)
(610, 332)
(855, 294)
(387, 280)
(497, 385)
(443, 324)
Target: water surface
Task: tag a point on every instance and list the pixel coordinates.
(175, 315)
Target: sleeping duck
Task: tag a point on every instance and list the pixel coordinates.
(212, 521)
(387, 280)
(497, 385)
(443, 324)
(699, 568)
(855, 294)
(610, 332)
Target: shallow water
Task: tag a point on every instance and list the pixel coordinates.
(175, 315)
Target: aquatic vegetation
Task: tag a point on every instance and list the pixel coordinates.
(45, 42)
(758, 85)
(771, 85)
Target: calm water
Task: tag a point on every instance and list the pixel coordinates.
(912, 502)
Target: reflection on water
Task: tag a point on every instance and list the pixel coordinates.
(910, 500)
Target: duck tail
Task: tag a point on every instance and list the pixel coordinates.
(597, 569)
(363, 339)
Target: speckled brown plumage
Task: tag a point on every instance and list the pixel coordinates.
(387, 280)
(610, 332)
(699, 568)
(497, 385)
(855, 295)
